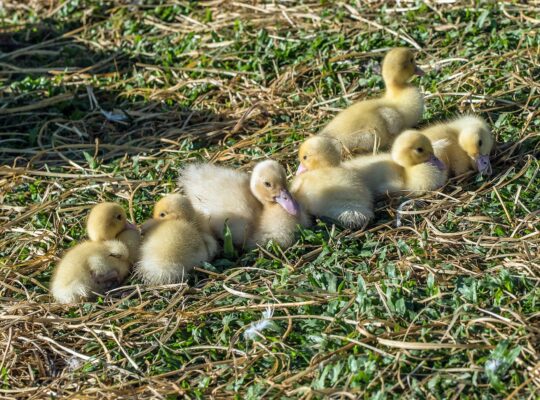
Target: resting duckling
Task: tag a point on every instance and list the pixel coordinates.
(256, 209)
(463, 144)
(281, 214)
(175, 240)
(328, 190)
(103, 262)
(372, 124)
(411, 166)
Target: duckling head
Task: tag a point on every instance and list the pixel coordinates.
(318, 152)
(106, 221)
(476, 140)
(399, 66)
(174, 206)
(412, 148)
(269, 185)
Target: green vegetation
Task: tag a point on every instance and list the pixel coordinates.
(445, 306)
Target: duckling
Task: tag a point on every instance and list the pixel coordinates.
(281, 214)
(328, 190)
(176, 240)
(463, 144)
(422, 170)
(256, 209)
(411, 165)
(372, 124)
(101, 263)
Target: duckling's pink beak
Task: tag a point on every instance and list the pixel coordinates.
(419, 71)
(484, 165)
(301, 169)
(288, 202)
(436, 162)
(129, 225)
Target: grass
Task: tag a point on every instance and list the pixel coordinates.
(445, 306)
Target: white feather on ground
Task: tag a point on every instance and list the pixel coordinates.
(402, 206)
(255, 328)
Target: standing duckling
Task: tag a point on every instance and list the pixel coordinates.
(463, 144)
(101, 263)
(328, 190)
(175, 240)
(411, 166)
(372, 124)
(256, 209)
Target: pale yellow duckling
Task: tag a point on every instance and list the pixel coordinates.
(101, 263)
(281, 214)
(328, 190)
(411, 166)
(175, 240)
(463, 144)
(256, 209)
(372, 124)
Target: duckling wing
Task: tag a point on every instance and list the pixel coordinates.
(336, 193)
(366, 125)
(378, 172)
(171, 250)
(223, 195)
(393, 119)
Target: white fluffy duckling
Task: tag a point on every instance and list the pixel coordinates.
(372, 124)
(256, 209)
(328, 190)
(103, 262)
(175, 240)
(463, 144)
(410, 166)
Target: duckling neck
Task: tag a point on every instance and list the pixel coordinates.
(414, 174)
(408, 99)
(273, 214)
(395, 88)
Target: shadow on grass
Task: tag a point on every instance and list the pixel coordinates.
(62, 102)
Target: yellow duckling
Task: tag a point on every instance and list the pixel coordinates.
(410, 166)
(463, 144)
(101, 263)
(281, 214)
(175, 240)
(256, 209)
(328, 190)
(372, 124)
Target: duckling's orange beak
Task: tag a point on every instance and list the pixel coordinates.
(301, 169)
(484, 165)
(288, 202)
(419, 71)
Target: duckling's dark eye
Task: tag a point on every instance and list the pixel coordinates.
(420, 150)
(305, 157)
(267, 184)
(162, 215)
(119, 217)
(479, 143)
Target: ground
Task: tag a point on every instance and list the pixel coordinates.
(444, 306)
